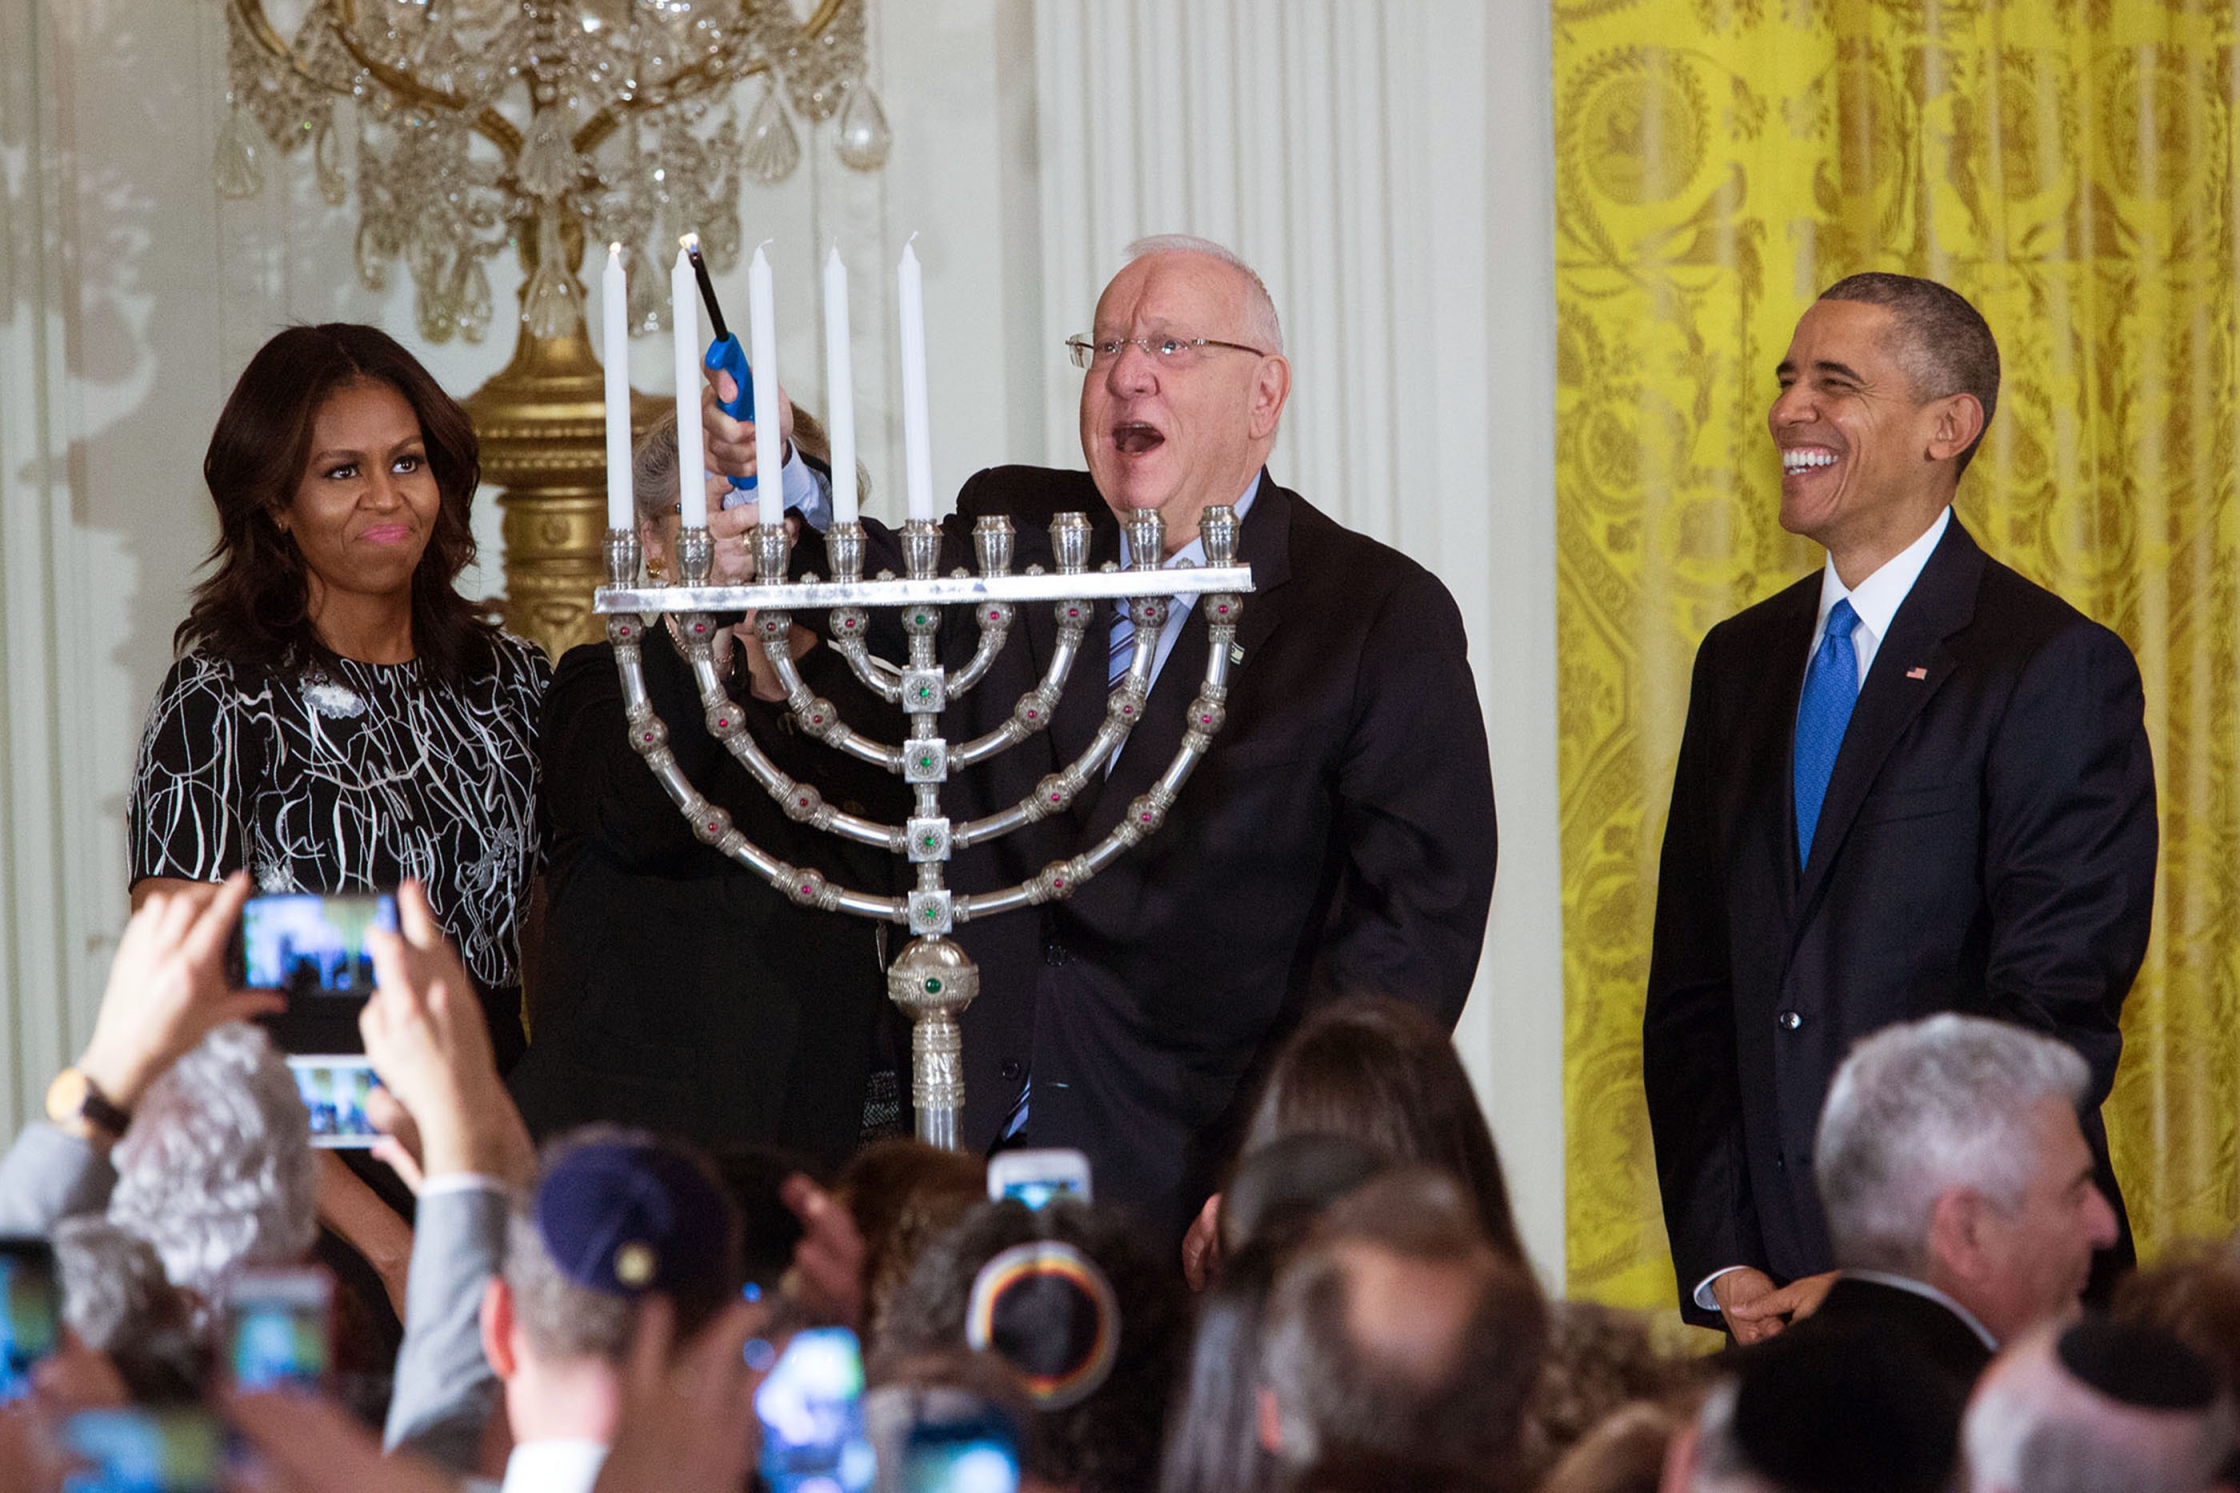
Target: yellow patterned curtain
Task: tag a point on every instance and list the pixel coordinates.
(2066, 165)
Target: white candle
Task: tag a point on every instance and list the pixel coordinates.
(770, 416)
(614, 297)
(840, 391)
(917, 445)
(692, 460)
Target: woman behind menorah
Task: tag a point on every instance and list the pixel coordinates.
(679, 991)
(340, 717)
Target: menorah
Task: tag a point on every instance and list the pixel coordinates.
(931, 979)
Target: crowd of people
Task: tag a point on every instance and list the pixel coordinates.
(602, 1311)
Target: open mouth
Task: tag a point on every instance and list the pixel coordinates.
(1802, 459)
(1136, 438)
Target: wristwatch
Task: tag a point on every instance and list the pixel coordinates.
(73, 1103)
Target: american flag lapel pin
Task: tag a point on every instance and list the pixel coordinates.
(1921, 673)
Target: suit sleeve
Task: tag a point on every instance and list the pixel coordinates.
(1688, 1063)
(2069, 846)
(1415, 828)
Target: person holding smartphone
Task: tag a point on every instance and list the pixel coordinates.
(339, 717)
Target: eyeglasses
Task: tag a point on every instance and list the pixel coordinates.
(1173, 352)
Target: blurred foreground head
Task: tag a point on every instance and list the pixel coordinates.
(2098, 1405)
(1397, 1330)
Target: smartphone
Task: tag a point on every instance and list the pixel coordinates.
(334, 1089)
(279, 1329)
(310, 945)
(980, 1455)
(811, 1409)
(1035, 1177)
(138, 1450)
(30, 1312)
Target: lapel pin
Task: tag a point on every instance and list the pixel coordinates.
(1236, 654)
(1921, 673)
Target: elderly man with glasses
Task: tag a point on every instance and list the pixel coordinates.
(1338, 838)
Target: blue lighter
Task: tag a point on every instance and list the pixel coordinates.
(725, 356)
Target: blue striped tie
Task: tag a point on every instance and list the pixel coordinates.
(1123, 644)
(1831, 688)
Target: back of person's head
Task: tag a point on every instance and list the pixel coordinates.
(1624, 1452)
(1385, 1073)
(616, 1216)
(1826, 1412)
(1073, 1296)
(1599, 1359)
(216, 1171)
(2194, 1295)
(1282, 1188)
(1924, 1108)
(902, 1194)
(117, 1301)
(1213, 1441)
(1397, 1329)
(2098, 1405)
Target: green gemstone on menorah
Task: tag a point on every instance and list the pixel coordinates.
(933, 986)
(930, 841)
(919, 620)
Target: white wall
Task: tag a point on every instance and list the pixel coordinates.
(1387, 167)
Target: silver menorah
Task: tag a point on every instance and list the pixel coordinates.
(932, 980)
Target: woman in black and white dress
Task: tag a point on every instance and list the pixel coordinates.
(339, 718)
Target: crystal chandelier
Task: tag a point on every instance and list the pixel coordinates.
(477, 121)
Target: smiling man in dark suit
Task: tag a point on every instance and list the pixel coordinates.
(1337, 838)
(1912, 783)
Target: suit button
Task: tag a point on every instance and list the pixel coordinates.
(1054, 952)
(1780, 1163)
(1789, 1021)
(1010, 1068)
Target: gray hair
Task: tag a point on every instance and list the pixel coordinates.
(114, 1292)
(1925, 1107)
(1260, 321)
(216, 1171)
(2032, 1427)
(653, 471)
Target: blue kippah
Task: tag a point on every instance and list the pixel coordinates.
(624, 1218)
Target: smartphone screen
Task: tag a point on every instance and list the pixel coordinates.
(30, 1312)
(334, 1089)
(144, 1451)
(811, 1409)
(279, 1329)
(306, 944)
(970, 1457)
(1036, 1177)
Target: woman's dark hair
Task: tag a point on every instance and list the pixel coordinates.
(1213, 1429)
(254, 608)
(1386, 1074)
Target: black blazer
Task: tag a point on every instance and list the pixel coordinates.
(1339, 837)
(1987, 845)
(1924, 1329)
(679, 991)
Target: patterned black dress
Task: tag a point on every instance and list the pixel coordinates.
(349, 776)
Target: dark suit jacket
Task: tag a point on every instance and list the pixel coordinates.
(1922, 1328)
(1339, 837)
(681, 992)
(1987, 845)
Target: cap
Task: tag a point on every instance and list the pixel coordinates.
(624, 1218)
(1048, 1310)
(2137, 1365)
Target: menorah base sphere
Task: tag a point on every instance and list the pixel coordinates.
(932, 981)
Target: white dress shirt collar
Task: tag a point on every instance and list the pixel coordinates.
(1877, 598)
(1923, 1288)
(558, 1465)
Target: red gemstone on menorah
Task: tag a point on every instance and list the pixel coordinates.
(723, 723)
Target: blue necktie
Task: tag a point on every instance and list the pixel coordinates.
(1123, 645)
(1831, 688)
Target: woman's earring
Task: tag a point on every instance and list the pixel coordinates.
(656, 570)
